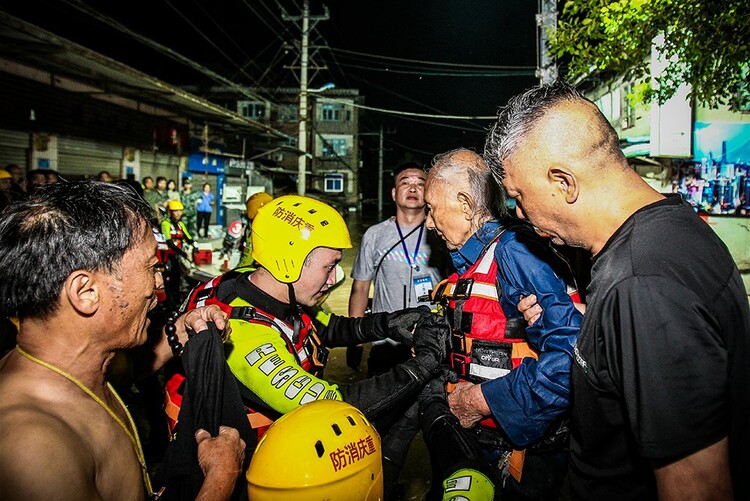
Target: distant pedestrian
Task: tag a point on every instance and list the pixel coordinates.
(205, 209)
(52, 176)
(5, 194)
(34, 179)
(397, 257)
(172, 193)
(17, 190)
(190, 199)
(105, 177)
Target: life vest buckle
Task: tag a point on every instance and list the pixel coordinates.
(462, 290)
(246, 313)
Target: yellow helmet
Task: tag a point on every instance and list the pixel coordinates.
(175, 205)
(288, 228)
(4, 174)
(325, 449)
(255, 202)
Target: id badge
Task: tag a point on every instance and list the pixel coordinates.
(422, 287)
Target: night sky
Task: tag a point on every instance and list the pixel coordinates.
(403, 55)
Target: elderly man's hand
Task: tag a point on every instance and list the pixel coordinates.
(467, 402)
(221, 459)
(530, 309)
(196, 320)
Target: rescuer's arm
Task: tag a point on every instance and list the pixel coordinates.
(265, 366)
(376, 395)
(399, 326)
(466, 473)
(188, 237)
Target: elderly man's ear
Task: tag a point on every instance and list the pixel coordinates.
(466, 204)
(565, 182)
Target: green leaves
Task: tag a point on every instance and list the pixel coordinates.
(705, 42)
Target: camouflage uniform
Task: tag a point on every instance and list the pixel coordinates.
(190, 214)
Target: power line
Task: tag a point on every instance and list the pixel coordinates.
(79, 5)
(433, 63)
(493, 74)
(211, 42)
(409, 113)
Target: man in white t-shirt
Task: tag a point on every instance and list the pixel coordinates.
(398, 257)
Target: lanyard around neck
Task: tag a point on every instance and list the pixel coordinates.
(416, 247)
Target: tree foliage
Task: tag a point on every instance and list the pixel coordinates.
(707, 44)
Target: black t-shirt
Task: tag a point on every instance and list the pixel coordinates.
(663, 359)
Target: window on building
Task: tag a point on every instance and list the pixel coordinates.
(287, 113)
(333, 183)
(334, 112)
(251, 109)
(333, 147)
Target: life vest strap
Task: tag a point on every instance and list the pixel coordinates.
(515, 464)
(258, 420)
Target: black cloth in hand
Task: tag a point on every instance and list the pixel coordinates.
(211, 399)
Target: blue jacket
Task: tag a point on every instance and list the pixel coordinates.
(528, 399)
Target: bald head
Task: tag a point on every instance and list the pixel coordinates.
(559, 158)
(562, 122)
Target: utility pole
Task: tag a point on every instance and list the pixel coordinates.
(546, 21)
(381, 149)
(304, 61)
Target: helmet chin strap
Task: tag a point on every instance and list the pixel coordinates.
(295, 313)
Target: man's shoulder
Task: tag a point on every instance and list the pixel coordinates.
(376, 232)
(382, 226)
(35, 422)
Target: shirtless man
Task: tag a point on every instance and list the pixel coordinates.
(82, 285)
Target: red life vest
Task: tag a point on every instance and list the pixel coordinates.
(484, 345)
(301, 340)
(176, 233)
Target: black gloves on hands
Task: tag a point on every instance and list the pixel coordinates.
(398, 325)
(431, 343)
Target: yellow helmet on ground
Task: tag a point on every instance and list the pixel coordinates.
(255, 202)
(175, 205)
(325, 449)
(288, 228)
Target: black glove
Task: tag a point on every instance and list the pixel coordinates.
(398, 325)
(430, 343)
(354, 356)
(435, 389)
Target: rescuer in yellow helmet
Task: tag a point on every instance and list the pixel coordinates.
(280, 340)
(252, 206)
(177, 235)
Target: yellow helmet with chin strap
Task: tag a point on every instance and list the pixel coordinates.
(288, 228)
(325, 449)
(175, 205)
(255, 202)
